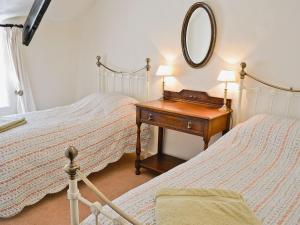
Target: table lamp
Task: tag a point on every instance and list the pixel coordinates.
(226, 76)
(164, 70)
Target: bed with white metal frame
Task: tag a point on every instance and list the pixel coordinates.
(73, 170)
(133, 83)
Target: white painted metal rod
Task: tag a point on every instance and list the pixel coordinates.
(106, 200)
(84, 201)
(90, 205)
(74, 210)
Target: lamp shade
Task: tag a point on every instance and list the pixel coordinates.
(165, 70)
(227, 76)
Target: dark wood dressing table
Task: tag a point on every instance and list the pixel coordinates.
(187, 111)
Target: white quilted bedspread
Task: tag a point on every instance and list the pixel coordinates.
(102, 127)
(259, 158)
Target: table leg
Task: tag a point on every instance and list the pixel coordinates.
(160, 140)
(206, 142)
(138, 150)
(227, 125)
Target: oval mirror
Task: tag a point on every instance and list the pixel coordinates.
(198, 35)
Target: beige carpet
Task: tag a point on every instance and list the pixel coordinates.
(113, 181)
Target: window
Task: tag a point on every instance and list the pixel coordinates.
(4, 102)
(7, 95)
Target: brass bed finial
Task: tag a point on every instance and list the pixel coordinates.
(243, 73)
(71, 168)
(148, 67)
(98, 63)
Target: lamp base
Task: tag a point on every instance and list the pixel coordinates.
(224, 108)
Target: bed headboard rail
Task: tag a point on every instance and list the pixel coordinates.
(135, 83)
(266, 98)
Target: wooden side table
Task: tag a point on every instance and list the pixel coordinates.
(187, 111)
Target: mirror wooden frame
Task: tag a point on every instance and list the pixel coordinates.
(184, 33)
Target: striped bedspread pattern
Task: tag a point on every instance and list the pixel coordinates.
(102, 127)
(259, 159)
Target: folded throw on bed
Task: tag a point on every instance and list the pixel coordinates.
(10, 123)
(202, 207)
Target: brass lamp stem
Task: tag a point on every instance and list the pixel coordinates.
(224, 107)
(163, 86)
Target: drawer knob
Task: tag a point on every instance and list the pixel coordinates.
(150, 117)
(189, 125)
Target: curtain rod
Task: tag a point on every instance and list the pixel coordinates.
(12, 25)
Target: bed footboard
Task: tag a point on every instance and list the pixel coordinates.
(73, 171)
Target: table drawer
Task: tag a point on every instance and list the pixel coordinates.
(180, 123)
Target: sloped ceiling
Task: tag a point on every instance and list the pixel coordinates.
(59, 10)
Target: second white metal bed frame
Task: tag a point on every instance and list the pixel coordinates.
(73, 170)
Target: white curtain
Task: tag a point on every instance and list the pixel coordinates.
(17, 76)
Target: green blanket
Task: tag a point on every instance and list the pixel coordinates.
(202, 207)
(9, 123)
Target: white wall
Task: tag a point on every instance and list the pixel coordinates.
(51, 60)
(263, 33)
